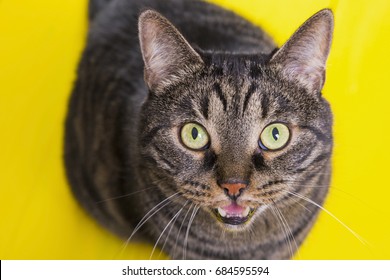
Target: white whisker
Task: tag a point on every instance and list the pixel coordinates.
(162, 233)
(281, 223)
(169, 232)
(194, 211)
(361, 239)
(288, 228)
(181, 226)
(125, 195)
(148, 215)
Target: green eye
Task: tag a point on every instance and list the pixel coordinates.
(275, 136)
(194, 136)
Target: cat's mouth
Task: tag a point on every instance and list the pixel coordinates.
(234, 214)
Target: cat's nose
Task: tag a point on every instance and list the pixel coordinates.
(234, 190)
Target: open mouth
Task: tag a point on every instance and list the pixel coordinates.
(233, 214)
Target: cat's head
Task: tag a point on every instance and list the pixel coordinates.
(235, 133)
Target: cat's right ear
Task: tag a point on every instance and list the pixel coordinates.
(168, 57)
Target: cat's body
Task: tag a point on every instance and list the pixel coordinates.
(123, 138)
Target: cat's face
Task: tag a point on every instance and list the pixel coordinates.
(234, 146)
(237, 135)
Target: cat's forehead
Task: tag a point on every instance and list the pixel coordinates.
(245, 85)
(235, 66)
(243, 77)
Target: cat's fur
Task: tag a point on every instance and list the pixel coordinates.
(123, 154)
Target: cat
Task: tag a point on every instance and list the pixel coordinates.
(188, 127)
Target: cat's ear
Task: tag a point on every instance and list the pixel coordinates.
(168, 57)
(303, 57)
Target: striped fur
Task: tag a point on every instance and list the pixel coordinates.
(123, 155)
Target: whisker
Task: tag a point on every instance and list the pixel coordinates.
(169, 232)
(148, 215)
(287, 236)
(311, 186)
(361, 239)
(340, 191)
(252, 233)
(162, 233)
(181, 226)
(283, 218)
(194, 211)
(294, 200)
(125, 195)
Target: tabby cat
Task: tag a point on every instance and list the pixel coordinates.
(188, 127)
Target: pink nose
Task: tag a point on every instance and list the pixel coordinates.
(234, 190)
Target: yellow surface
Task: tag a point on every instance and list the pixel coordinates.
(40, 44)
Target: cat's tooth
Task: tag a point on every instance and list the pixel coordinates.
(246, 212)
(221, 212)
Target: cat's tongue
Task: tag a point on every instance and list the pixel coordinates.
(233, 210)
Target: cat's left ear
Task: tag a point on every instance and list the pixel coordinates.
(303, 57)
(168, 57)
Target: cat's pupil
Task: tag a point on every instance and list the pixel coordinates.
(194, 133)
(275, 133)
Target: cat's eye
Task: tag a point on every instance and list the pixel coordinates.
(194, 136)
(274, 137)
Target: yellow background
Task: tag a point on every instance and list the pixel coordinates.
(40, 44)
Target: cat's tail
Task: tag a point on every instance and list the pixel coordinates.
(95, 6)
